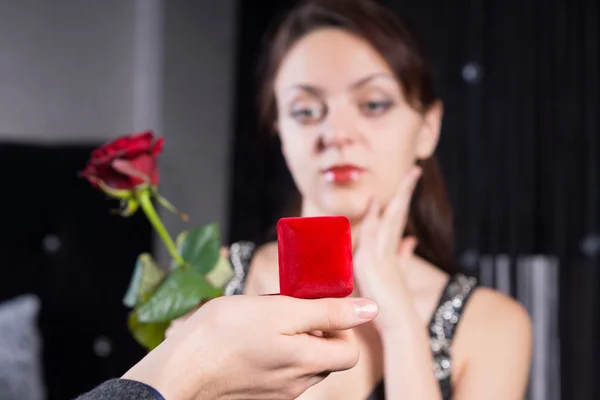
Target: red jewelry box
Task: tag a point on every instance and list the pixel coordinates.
(315, 257)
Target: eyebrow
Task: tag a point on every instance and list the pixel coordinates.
(361, 82)
(369, 78)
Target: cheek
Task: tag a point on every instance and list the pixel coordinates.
(397, 149)
(393, 153)
(296, 148)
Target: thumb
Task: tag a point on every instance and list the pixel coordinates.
(330, 314)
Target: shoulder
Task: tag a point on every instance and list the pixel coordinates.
(494, 339)
(263, 274)
(496, 314)
(265, 255)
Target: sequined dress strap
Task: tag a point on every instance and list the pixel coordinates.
(443, 325)
(240, 256)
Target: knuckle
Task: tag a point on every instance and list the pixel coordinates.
(217, 311)
(333, 314)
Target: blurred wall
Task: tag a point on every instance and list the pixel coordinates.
(87, 71)
(66, 69)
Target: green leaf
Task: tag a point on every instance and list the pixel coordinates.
(180, 239)
(181, 291)
(146, 277)
(178, 243)
(149, 335)
(201, 248)
(221, 273)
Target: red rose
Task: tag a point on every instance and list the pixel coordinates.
(125, 163)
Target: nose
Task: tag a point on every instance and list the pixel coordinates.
(338, 129)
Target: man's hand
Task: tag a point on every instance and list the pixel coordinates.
(255, 347)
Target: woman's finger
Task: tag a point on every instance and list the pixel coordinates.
(407, 249)
(369, 227)
(395, 216)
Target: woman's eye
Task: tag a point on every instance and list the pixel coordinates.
(375, 107)
(307, 115)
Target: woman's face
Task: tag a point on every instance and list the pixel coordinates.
(347, 132)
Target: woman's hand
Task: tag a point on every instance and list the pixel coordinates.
(382, 253)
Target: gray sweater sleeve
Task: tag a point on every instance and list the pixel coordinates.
(121, 389)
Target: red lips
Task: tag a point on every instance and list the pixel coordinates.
(342, 174)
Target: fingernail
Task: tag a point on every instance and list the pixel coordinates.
(365, 308)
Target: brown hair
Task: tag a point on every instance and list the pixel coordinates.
(430, 218)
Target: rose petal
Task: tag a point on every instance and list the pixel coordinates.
(98, 153)
(146, 137)
(120, 143)
(139, 143)
(123, 147)
(144, 163)
(139, 170)
(91, 174)
(154, 178)
(115, 179)
(89, 169)
(125, 162)
(158, 146)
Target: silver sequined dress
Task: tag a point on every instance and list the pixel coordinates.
(442, 327)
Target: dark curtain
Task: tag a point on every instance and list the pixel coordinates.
(60, 242)
(520, 147)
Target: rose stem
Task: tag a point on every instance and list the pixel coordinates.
(145, 201)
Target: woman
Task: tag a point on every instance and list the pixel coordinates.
(350, 93)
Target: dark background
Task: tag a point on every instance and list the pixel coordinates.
(60, 242)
